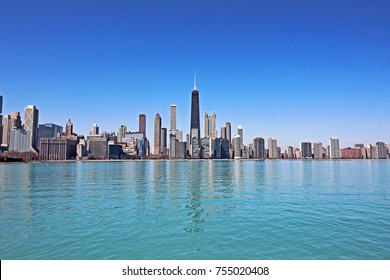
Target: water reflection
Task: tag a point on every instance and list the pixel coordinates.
(194, 202)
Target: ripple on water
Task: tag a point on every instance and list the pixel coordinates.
(196, 210)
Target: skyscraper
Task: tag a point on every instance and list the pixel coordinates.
(210, 125)
(15, 121)
(334, 152)
(173, 118)
(381, 151)
(223, 132)
(6, 130)
(69, 128)
(237, 147)
(48, 130)
(290, 152)
(195, 147)
(258, 148)
(142, 124)
(317, 150)
(157, 134)
(1, 104)
(1, 128)
(240, 132)
(195, 122)
(229, 132)
(31, 124)
(306, 149)
(122, 133)
(95, 129)
(272, 148)
(164, 136)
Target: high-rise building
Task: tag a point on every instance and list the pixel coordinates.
(98, 146)
(164, 147)
(334, 152)
(1, 129)
(381, 151)
(229, 132)
(172, 146)
(195, 122)
(173, 109)
(95, 130)
(1, 104)
(237, 146)
(6, 130)
(142, 123)
(223, 132)
(31, 124)
(48, 130)
(157, 135)
(19, 140)
(370, 151)
(317, 150)
(210, 125)
(272, 148)
(69, 128)
(225, 148)
(258, 148)
(179, 135)
(206, 148)
(15, 120)
(217, 148)
(240, 132)
(121, 133)
(290, 152)
(195, 147)
(306, 150)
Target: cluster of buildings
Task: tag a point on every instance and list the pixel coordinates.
(31, 140)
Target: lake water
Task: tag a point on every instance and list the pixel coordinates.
(196, 210)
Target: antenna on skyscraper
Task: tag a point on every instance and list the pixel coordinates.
(195, 80)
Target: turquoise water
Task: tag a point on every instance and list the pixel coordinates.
(196, 210)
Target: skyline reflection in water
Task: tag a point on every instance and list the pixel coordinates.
(196, 210)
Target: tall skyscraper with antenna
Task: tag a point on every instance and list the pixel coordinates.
(195, 122)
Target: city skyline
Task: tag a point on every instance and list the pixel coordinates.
(207, 119)
(291, 71)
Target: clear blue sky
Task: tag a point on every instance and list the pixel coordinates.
(293, 70)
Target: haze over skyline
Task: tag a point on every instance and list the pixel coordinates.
(302, 71)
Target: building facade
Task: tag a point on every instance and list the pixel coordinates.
(31, 115)
(6, 130)
(142, 123)
(334, 150)
(58, 149)
(157, 135)
(272, 148)
(258, 147)
(317, 150)
(237, 146)
(173, 115)
(19, 140)
(306, 150)
(210, 125)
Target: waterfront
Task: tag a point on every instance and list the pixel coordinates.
(196, 210)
